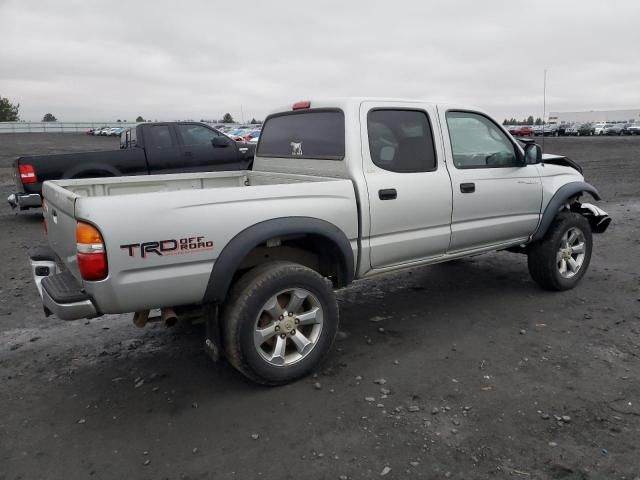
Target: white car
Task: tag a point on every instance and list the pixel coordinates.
(598, 128)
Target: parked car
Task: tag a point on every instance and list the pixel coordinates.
(251, 134)
(626, 128)
(98, 131)
(148, 149)
(331, 200)
(116, 131)
(634, 129)
(550, 130)
(537, 129)
(521, 131)
(613, 129)
(599, 127)
(578, 130)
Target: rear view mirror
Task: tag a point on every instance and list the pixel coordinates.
(532, 153)
(221, 141)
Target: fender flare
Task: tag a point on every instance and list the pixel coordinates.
(563, 194)
(237, 249)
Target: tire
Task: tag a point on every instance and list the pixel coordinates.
(255, 303)
(544, 257)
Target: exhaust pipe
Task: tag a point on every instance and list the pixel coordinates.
(168, 316)
(140, 319)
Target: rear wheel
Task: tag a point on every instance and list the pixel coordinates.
(279, 322)
(562, 257)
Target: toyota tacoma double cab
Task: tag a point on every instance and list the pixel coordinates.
(147, 149)
(341, 190)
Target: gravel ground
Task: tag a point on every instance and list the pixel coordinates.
(463, 370)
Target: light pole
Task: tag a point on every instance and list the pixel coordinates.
(544, 104)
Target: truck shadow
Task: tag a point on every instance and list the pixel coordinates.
(374, 313)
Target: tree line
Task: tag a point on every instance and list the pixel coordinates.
(527, 121)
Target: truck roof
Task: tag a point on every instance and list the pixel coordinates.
(353, 103)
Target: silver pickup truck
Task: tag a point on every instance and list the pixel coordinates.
(341, 190)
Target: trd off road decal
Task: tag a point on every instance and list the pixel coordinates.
(171, 246)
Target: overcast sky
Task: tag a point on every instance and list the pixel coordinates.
(87, 60)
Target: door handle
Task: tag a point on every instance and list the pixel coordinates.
(467, 187)
(387, 194)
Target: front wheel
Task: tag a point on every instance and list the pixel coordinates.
(562, 257)
(279, 322)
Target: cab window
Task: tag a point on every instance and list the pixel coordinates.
(477, 142)
(196, 134)
(160, 136)
(401, 140)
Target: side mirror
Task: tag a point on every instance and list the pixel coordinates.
(532, 153)
(220, 141)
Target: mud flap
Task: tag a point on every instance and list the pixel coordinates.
(213, 337)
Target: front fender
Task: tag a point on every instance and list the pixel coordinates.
(559, 199)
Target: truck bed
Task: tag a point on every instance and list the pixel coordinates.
(109, 187)
(212, 206)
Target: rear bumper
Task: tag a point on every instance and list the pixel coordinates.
(25, 200)
(61, 293)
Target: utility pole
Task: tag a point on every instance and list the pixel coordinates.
(544, 104)
(241, 114)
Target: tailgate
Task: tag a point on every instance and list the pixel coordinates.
(58, 212)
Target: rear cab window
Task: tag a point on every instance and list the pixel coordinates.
(311, 134)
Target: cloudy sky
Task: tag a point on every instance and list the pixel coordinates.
(193, 59)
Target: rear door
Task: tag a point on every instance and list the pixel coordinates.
(496, 197)
(408, 185)
(164, 154)
(199, 153)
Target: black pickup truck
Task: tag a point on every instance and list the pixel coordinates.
(149, 149)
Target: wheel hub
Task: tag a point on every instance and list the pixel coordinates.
(287, 325)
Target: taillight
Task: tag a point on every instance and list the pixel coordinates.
(301, 105)
(27, 174)
(91, 256)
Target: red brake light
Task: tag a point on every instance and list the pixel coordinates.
(301, 105)
(91, 255)
(27, 174)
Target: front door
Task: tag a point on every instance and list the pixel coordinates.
(496, 197)
(199, 154)
(408, 185)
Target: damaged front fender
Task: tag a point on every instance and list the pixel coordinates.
(598, 218)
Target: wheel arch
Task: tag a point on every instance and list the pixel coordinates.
(560, 198)
(321, 238)
(99, 170)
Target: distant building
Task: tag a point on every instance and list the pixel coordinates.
(612, 116)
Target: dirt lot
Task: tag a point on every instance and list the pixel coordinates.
(509, 381)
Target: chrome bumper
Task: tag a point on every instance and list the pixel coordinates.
(43, 267)
(24, 200)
